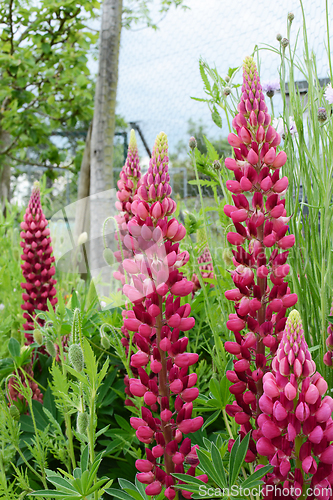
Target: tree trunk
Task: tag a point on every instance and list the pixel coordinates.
(4, 170)
(101, 173)
(82, 208)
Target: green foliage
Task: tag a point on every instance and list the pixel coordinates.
(81, 485)
(223, 478)
(45, 84)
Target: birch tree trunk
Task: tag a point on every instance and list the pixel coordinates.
(101, 174)
(4, 170)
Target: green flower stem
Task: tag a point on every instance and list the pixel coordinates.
(68, 422)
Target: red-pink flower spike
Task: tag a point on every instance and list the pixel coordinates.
(328, 357)
(38, 268)
(128, 184)
(160, 361)
(296, 421)
(261, 293)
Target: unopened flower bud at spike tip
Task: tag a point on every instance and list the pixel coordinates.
(132, 141)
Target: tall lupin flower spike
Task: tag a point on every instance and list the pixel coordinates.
(261, 293)
(128, 184)
(160, 362)
(38, 268)
(296, 421)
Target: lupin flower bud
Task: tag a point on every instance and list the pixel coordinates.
(296, 422)
(50, 348)
(279, 37)
(38, 337)
(159, 362)
(38, 268)
(76, 358)
(82, 422)
(192, 143)
(105, 342)
(108, 256)
(261, 294)
(14, 412)
(284, 42)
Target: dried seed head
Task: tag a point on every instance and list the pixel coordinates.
(49, 346)
(82, 422)
(192, 143)
(38, 337)
(76, 358)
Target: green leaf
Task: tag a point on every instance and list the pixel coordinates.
(130, 488)
(122, 495)
(14, 347)
(239, 458)
(211, 419)
(61, 484)
(256, 475)
(52, 494)
(207, 466)
(216, 117)
(218, 463)
(85, 459)
(46, 48)
(214, 388)
(212, 153)
(204, 77)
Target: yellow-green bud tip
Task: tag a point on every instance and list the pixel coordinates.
(294, 318)
(132, 141)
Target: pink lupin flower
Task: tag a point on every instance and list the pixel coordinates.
(204, 261)
(261, 238)
(329, 343)
(159, 361)
(297, 424)
(38, 268)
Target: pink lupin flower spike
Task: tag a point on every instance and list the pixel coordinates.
(160, 363)
(261, 294)
(38, 268)
(128, 184)
(296, 424)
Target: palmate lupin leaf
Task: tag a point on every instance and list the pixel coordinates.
(221, 479)
(77, 486)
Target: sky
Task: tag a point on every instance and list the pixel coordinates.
(159, 71)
